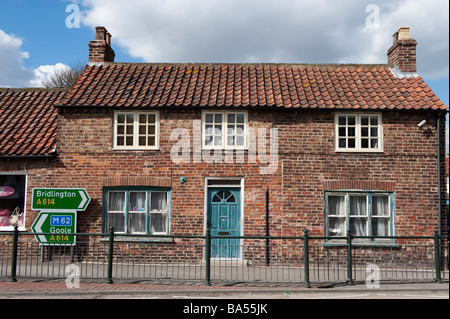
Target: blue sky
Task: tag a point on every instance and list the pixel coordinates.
(34, 36)
(41, 24)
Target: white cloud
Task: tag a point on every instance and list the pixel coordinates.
(13, 73)
(291, 31)
(307, 31)
(429, 25)
(44, 73)
(11, 61)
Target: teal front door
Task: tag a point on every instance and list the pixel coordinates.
(224, 219)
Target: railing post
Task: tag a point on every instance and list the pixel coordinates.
(349, 259)
(437, 256)
(110, 255)
(14, 254)
(306, 253)
(208, 257)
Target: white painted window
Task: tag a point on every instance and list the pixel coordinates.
(358, 132)
(224, 130)
(137, 130)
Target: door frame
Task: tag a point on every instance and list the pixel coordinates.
(214, 182)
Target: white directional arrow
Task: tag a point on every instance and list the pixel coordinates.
(38, 226)
(84, 199)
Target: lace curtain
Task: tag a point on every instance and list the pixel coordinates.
(116, 211)
(357, 215)
(158, 212)
(138, 212)
(380, 215)
(336, 216)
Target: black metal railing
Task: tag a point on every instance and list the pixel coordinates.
(256, 259)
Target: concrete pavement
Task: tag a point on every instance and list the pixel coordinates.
(46, 289)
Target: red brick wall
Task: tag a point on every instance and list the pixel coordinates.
(307, 166)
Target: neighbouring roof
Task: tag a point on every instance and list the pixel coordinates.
(28, 121)
(332, 86)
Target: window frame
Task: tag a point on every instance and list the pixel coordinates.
(126, 211)
(135, 134)
(369, 215)
(358, 136)
(24, 207)
(224, 134)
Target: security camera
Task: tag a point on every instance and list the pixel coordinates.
(421, 123)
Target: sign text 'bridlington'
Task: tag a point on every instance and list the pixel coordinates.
(60, 199)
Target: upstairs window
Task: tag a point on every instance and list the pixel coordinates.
(136, 130)
(358, 132)
(224, 130)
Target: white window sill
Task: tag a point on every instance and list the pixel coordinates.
(361, 243)
(140, 239)
(341, 150)
(135, 149)
(11, 228)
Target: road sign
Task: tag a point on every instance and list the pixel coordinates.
(59, 225)
(60, 199)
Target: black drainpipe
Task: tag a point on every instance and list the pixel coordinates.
(267, 229)
(439, 171)
(439, 163)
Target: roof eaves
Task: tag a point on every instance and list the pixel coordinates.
(30, 156)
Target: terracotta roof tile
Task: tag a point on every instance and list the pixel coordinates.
(240, 85)
(28, 121)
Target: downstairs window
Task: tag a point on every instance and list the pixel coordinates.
(137, 211)
(364, 214)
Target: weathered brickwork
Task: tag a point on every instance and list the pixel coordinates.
(307, 167)
(403, 55)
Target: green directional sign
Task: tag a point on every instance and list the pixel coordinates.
(55, 228)
(60, 199)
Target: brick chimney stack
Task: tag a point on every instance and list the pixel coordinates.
(402, 54)
(100, 50)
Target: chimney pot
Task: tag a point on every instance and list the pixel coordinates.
(100, 33)
(403, 33)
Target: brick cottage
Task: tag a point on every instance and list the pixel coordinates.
(172, 149)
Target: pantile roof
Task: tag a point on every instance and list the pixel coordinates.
(28, 116)
(331, 86)
(28, 121)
